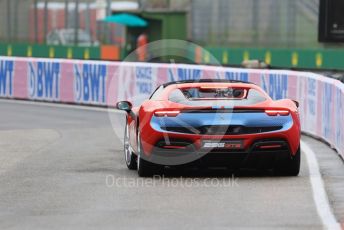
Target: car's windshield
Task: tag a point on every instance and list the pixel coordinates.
(205, 95)
(214, 93)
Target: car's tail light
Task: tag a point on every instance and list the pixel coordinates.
(166, 113)
(277, 112)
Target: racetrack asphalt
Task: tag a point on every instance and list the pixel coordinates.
(63, 168)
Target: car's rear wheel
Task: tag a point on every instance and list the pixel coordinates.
(289, 167)
(144, 167)
(130, 159)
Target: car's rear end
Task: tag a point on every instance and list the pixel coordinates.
(232, 125)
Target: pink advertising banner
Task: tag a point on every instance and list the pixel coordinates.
(104, 83)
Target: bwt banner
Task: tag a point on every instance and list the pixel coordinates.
(104, 83)
(43, 80)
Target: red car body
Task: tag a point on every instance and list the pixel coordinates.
(168, 129)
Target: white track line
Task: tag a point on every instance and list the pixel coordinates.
(58, 105)
(319, 194)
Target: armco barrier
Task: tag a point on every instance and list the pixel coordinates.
(104, 83)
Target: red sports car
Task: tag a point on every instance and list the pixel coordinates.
(220, 123)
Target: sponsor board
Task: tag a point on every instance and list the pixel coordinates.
(6, 78)
(43, 79)
(104, 83)
(90, 83)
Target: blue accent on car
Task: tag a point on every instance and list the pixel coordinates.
(259, 119)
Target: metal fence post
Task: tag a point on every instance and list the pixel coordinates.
(76, 26)
(45, 20)
(15, 21)
(35, 19)
(8, 15)
(66, 24)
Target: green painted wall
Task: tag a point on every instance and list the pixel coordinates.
(283, 58)
(279, 58)
(169, 21)
(167, 25)
(44, 51)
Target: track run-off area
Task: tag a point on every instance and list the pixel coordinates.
(62, 167)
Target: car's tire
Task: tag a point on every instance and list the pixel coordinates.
(144, 167)
(130, 158)
(291, 166)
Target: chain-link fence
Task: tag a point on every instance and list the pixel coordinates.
(46, 21)
(58, 22)
(253, 23)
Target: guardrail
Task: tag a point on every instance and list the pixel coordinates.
(104, 83)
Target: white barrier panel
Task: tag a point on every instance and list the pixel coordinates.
(104, 83)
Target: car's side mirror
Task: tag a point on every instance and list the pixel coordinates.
(296, 103)
(124, 105)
